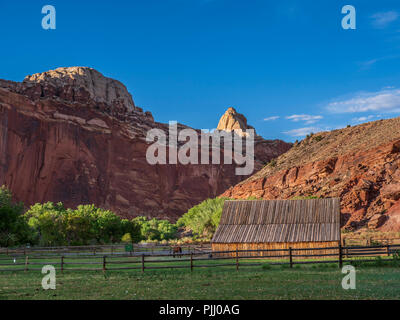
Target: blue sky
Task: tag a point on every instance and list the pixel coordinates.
(287, 65)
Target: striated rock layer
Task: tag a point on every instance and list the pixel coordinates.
(360, 164)
(75, 136)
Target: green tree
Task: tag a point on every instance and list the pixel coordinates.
(13, 228)
(54, 225)
(204, 218)
(155, 229)
(48, 222)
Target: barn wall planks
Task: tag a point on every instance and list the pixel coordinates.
(255, 221)
(276, 246)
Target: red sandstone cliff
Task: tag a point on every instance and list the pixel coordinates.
(75, 136)
(360, 164)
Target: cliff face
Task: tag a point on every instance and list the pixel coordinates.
(360, 164)
(74, 136)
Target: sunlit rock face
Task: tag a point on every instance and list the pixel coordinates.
(75, 136)
(360, 165)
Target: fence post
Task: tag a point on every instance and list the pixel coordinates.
(104, 263)
(62, 264)
(26, 263)
(191, 261)
(388, 250)
(237, 259)
(142, 262)
(290, 257)
(340, 256)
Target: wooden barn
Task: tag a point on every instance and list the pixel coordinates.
(278, 224)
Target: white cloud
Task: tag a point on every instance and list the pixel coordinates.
(363, 119)
(271, 118)
(382, 19)
(384, 100)
(309, 119)
(301, 132)
(369, 63)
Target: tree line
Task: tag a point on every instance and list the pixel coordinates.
(51, 224)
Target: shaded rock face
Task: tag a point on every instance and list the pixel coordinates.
(68, 141)
(360, 165)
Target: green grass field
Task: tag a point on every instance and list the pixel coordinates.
(276, 282)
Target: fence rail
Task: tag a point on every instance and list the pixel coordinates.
(72, 261)
(100, 250)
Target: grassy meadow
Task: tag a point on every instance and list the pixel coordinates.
(268, 282)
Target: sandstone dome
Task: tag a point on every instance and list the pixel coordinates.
(231, 120)
(100, 88)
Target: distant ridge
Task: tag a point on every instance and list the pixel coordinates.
(359, 164)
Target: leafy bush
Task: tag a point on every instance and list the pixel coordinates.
(204, 218)
(54, 225)
(304, 197)
(13, 228)
(155, 229)
(126, 238)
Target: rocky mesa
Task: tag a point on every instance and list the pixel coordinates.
(360, 165)
(76, 136)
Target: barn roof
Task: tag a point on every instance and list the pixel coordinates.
(255, 221)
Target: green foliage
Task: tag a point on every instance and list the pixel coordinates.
(304, 197)
(54, 225)
(126, 238)
(308, 136)
(318, 138)
(272, 163)
(267, 266)
(204, 218)
(155, 229)
(254, 198)
(396, 258)
(13, 228)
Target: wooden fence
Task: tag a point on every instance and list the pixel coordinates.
(145, 261)
(114, 249)
(348, 241)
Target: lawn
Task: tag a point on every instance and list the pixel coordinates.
(276, 282)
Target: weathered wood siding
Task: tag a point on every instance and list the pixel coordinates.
(275, 246)
(259, 221)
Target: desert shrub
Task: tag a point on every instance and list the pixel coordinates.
(204, 218)
(318, 138)
(13, 228)
(304, 197)
(272, 163)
